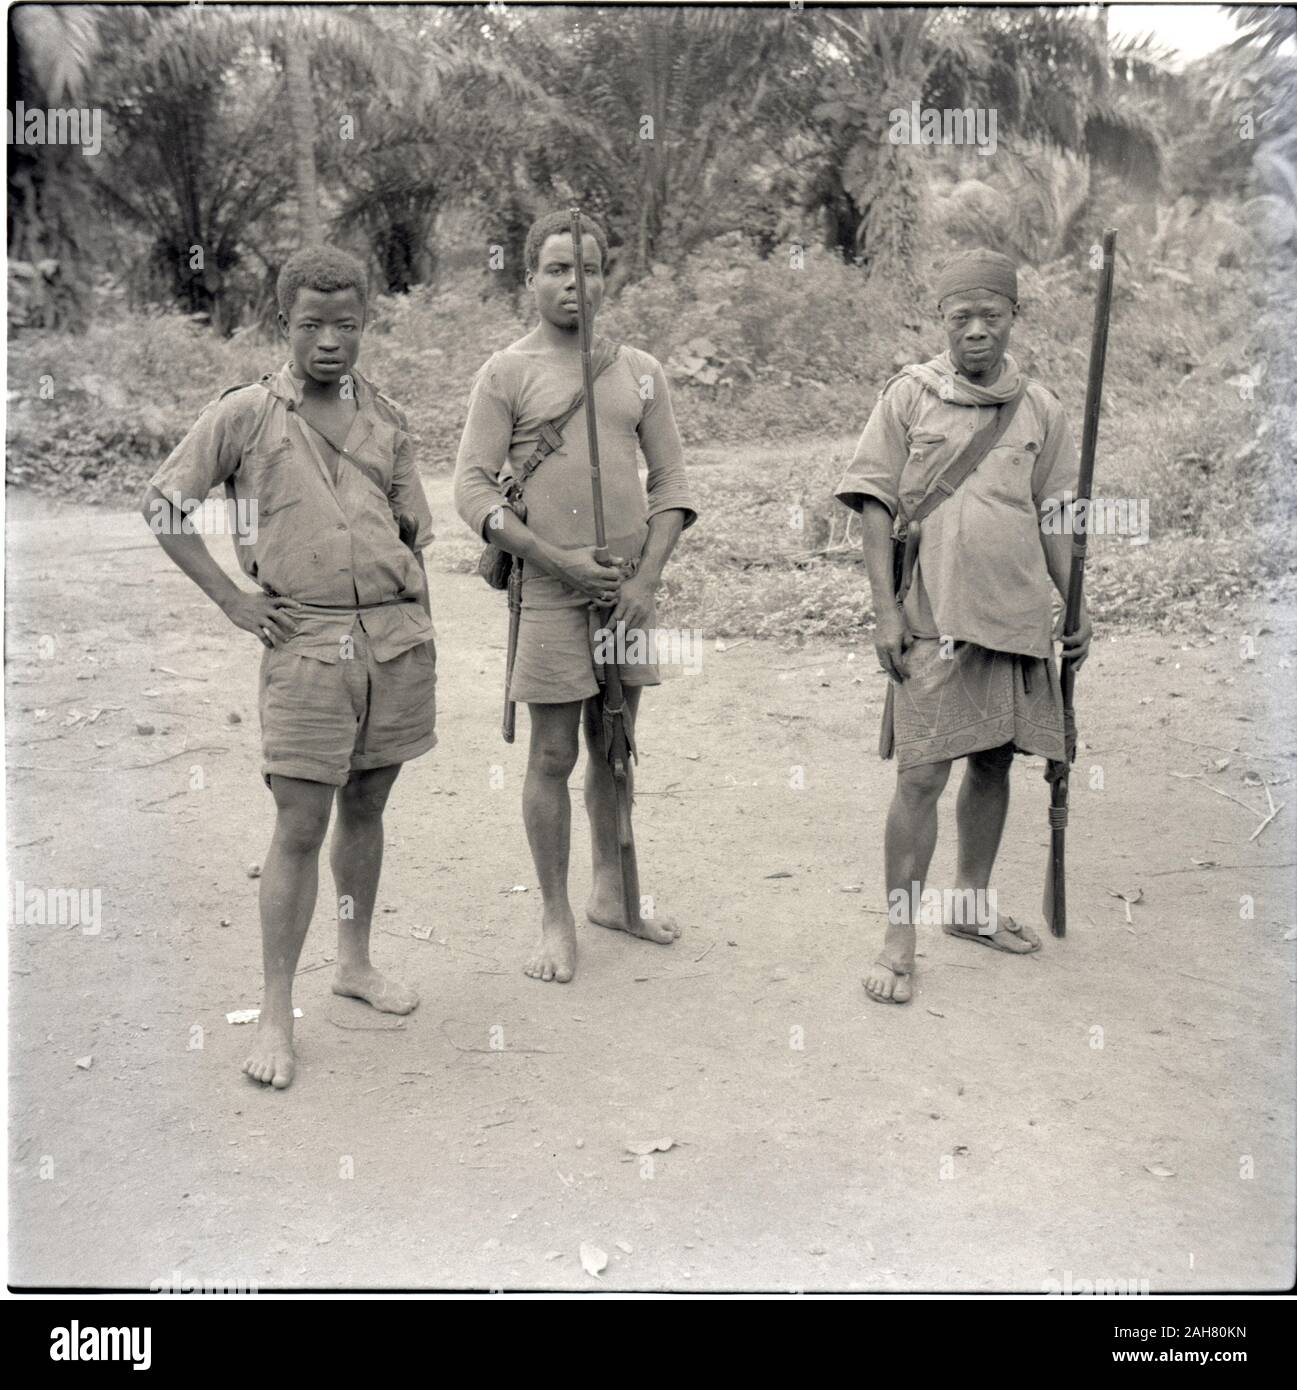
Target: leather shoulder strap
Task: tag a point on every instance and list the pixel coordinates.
(243, 386)
(551, 432)
(961, 469)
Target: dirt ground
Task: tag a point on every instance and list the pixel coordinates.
(979, 1139)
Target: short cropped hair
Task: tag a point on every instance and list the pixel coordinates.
(322, 268)
(560, 224)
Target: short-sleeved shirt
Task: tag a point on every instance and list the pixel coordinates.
(309, 536)
(981, 575)
(521, 388)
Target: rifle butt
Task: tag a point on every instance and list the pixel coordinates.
(625, 834)
(629, 868)
(1054, 907)
(887, 730)
(511, 649)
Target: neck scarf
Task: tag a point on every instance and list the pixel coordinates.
(942, 377)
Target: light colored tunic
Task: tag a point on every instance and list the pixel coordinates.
(981, 575)
(514, 394)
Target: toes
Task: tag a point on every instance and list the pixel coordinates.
(563, 974)
(662, 930)
(889, 988)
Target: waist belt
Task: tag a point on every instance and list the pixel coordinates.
(349, 607)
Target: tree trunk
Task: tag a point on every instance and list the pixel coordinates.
(301, 118)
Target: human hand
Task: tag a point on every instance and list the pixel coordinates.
(1076, 645)
(892, 639)
(598, 580)
(271, 619)
(635, 606)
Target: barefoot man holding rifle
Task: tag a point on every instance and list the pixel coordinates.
(592, 547)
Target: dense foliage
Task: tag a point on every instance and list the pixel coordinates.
(769, 243)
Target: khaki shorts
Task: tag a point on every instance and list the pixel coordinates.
(322, 721)
(554, 664)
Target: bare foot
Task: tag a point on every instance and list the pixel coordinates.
(272, 1060)
(605, 910)
(555, 956)
(364, 982)
(888, 986)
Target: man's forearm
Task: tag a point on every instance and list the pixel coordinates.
(663, 532)
(876, 533)
(511, 534)
(425, 596)
(187, 550)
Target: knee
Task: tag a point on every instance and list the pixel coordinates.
(361, 803)
(301, 830)
(554, 759)
(991, 764)
(923, 783)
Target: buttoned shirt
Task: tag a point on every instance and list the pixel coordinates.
(303, 534)
(981, 575)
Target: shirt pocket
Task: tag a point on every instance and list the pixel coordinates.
(917, 475)
(268, 478)
(923, 444)
(1008, 471)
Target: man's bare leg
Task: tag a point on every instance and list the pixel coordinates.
(606, 907)
(547, 815)
(980, 813)
(356, 856)
(289, 881)
(910, 839)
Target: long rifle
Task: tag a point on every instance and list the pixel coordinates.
(1056, 773)
(617, 742)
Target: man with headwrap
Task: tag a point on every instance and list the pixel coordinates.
(970, 649)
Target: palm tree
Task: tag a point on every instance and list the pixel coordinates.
(1049, 74)
(56, 49)
(661, 117)
(301, 41)
(193, 164)
(882, 60)
(416, 148)
(1256, 81)
(301, 118)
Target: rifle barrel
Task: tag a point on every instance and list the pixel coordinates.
(587, 378)
(1055, 905)
(1090, 427)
